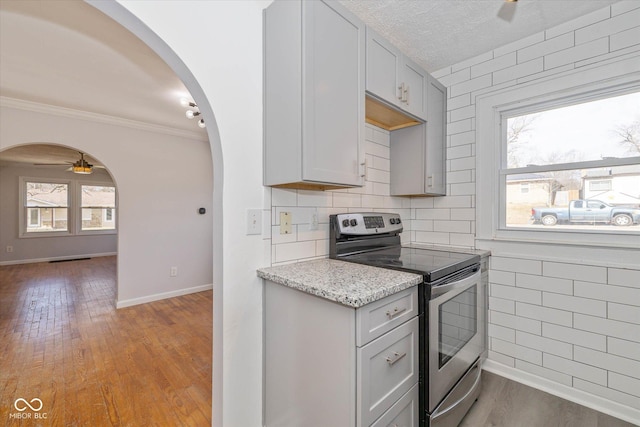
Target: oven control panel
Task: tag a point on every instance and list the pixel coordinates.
(363, 224)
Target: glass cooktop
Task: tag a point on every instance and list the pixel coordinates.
(431, 263)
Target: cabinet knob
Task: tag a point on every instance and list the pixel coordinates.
(401, 92)
(364, 169)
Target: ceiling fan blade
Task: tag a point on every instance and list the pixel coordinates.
(507, 11)
(52, 164)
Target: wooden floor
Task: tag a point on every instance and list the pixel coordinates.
(506, 403)
(63, 341)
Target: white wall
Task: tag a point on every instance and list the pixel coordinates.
(44, 248)
(158, 224)
(562, 318)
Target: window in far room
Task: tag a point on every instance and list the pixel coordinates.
(569, 150)
(98, 203)
(46, 206)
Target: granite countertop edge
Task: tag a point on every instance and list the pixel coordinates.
(350, 284)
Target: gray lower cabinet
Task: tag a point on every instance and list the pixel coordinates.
(418, 153)
(314, 65)
(327, 364)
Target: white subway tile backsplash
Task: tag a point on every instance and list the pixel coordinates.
(452, 226)
(462, 113)
(520, 70)
(605, 28)
(502, 333)
(432, 237)
(624, 39)
(612, 328)
(503, 305)
(442, 214)
(624, 6)
(502, 358)
(546, 47)
(459, 151)
(495, 64)
(294, 251)
(577, 53)
(380, 136)
(459, 177)
(540, 371)
(459, 127)
(422, 225)
(519, 44)
(471, 85)
(516, 351)
(519, 323)
(624, 277)
(380, 163)
(576, 369)
(346, 200)
(375, 149)
(465, 163)
(277, 238)
(611, 293)
(463, 240)
(610, 362)
(315, 198)
(607, 393)
(453, 202)
(502, 277)
(575, 304)
(284, 197)
(624, 312)
(465, 214)
(581, 22)
(575, 272)
(463, 138)
(518, 265)
(543, 283)
(624, 384)
(624, 348)
(573, 336)
(455, 78)
(458, 101)
(372, 202)
(545, 345)
(467, 188)
(549, 315)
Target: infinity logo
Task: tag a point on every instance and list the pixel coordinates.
(24, 408)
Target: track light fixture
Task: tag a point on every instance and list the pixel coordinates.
(192, 113)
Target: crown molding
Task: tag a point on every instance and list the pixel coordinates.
(36, 107)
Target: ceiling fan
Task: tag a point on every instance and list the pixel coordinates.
(507, 10)
(81, 166)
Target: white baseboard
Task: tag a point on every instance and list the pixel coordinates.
(580, 397)
(164, 295)
(57, 258)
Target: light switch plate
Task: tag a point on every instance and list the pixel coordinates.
(285, 222)
(254, 221)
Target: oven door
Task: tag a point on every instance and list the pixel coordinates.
(455, 333)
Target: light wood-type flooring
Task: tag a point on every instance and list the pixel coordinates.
(506, 403)
(63, 341)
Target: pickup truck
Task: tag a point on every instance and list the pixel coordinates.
(586, 211)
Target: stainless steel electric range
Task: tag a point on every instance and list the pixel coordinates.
(451, 300)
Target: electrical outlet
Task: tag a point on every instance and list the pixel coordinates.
(9, 248)
(254, 221)
(285, 222)
(173, 272)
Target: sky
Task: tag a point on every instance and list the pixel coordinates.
(587, 128)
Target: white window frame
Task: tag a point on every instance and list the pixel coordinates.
(78, 190)
(614, 78)
(23, 221)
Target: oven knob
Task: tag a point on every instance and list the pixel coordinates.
(345, 222)
(354, 222)
(392, 220)
(398, 221)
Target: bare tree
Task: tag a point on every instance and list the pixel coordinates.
(516, 128)
(630, 136)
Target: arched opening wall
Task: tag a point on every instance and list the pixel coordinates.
(216, 49)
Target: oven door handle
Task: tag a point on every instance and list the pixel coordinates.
(465, 282)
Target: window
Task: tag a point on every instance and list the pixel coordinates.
(559, 154)
(45, 206)
(98, 207)
(55, 207)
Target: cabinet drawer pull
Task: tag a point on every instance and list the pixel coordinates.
(397, 355)
(396, 311)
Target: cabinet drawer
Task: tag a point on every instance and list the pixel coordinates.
(404, 413)
(375, 319)
(387, 368)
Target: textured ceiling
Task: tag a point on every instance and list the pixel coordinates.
(439, 33)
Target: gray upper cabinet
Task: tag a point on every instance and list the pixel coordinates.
(314, 65)
(394, 78)
(418, 152)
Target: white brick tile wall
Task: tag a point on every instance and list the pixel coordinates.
(519, 44)
(546, 47)
(612, 328)
(468, 63)
(516, 294)
(517, 71)
(503, 305)
(582, 22)
(577, 53)
(550, 315)
(519, 265)
(471, 85)
(550, 374)
(518, 323)
(575, 272)
(605, 28)
(516, 351)
(502, 333)
(459, 127)
(607, 393)
(502, 358)
(624, 313)
(624, 348)
(573, 336)
(459, 101)
(624, 277)
(624, 6)
(542, 283)
(503, 277)
(575, 304)
(610, 362)
(624, 383)
(612, 293)
(575, 369)
(495, 64)
(545, 345)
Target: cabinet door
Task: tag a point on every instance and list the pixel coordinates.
(333, 94)
(435, 182)
(384, 65)
(415, 85)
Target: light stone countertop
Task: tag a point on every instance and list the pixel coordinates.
(347, 283)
